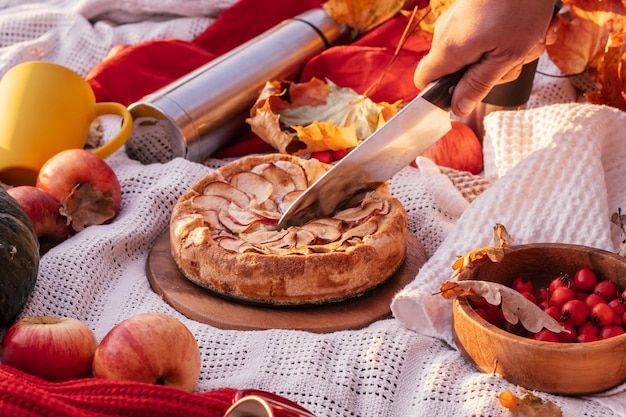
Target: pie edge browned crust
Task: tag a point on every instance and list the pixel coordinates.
(291, 280)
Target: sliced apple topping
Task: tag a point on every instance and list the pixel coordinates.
(231, 223)
(228, 192)
(264, 237)
(361, 230)
(325, 230)
(211, 217)
(242, 216)
(314, 169)
(241, 212)
(254, 185)
(371, 204)
(296, 172)
(229, 243)
(281, 181)
(288, 199)
(210, 203)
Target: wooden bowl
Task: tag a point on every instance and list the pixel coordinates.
(557, 368)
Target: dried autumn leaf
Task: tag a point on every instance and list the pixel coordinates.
(515, 307)
(612, 75)
(437, 7)
(482, 255)
(527, 405)
(321, 136)
(285, 95)
(584, 32)
(362, 15)
(451, 290)
(619, 220)
(300, 118)
(85, 206)
(95, 134)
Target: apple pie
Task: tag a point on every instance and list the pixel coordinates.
(223, 236)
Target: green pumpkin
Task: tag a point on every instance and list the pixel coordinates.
(19, 257)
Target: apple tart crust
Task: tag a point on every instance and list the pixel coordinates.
(223, 236)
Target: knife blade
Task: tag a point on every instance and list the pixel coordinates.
(417, 126)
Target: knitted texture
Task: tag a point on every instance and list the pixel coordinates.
(24, 395)
(565, 156)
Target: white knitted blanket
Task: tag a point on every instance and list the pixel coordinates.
(555, 171)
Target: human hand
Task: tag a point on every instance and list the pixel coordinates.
(493, 39)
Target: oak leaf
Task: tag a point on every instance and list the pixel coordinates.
(85, 206)
(584, 32)
(527, 405)
(515, 307)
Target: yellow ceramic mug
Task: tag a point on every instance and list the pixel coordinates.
(46, 108)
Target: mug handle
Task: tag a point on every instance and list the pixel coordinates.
(104, 108)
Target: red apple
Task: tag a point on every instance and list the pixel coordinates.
(149, 347)
(459, 149)
(85, 185)
(43, 211)
(50, 347)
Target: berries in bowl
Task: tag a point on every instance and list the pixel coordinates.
(581, 288)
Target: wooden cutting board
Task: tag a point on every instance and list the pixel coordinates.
(204, 306)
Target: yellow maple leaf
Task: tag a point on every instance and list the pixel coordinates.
(321, 136)
(362, 15)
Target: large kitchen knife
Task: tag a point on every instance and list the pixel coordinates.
(384, 153)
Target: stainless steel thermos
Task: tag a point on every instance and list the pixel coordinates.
(199, 113)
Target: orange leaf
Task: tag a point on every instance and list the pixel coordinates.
(450, 290)
(612, 75)
(362, 15)
(528, 405)
(266, 124)
(584, 33)
(479, 256)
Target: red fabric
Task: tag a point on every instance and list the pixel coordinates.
(25, 395)
(362, 63)
(135, 71)
(247, 19)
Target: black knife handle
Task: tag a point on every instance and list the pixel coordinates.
(440, 92)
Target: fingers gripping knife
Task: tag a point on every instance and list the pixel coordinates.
(385, 152)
